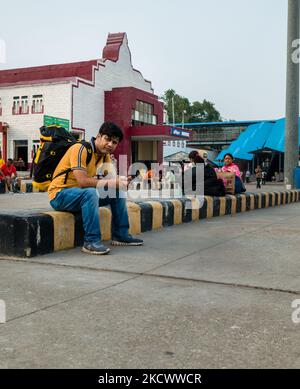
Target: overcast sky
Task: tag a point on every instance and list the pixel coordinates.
(231, 52)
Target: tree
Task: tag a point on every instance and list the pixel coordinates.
(195, 112)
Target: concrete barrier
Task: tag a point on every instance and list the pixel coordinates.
(27, 187)
(27, 234)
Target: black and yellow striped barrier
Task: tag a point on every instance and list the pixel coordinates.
(27, 187)
(25, 234)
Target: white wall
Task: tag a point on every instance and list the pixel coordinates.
(88, 101)
(56, 100)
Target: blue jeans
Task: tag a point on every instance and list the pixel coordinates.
(87, 201)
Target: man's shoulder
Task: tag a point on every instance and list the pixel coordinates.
(77, 148)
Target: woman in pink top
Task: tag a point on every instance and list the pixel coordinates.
(229, 166)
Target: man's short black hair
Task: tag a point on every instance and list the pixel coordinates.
(112, 130)
(10, 160)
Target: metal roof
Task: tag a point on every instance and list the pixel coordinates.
(220, 124)
(269, 135)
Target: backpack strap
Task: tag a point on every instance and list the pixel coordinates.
(88, 146)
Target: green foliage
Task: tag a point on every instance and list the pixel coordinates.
(197, 111)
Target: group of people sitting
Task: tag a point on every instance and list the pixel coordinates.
(215, 182)
(9, 176)
(213, 185)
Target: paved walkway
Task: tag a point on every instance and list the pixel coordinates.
(210, 294)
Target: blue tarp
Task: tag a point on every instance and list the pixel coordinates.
(257, 137)
(276, 140)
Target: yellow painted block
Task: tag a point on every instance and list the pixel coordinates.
(259, 200)
(210, 207)
(243, 203)
(134, 215)
(195, 209)
(105, 222)
(233, 204)
(157, 214)
(222, 206)
(64, 229)
(284, 198)
(177, 211)
(252, 202)
(267, 200)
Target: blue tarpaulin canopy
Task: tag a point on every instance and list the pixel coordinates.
(260, 136)
(276, 139)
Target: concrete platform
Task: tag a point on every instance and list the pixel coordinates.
(215, 294)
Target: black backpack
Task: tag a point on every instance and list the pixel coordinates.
(55, 141)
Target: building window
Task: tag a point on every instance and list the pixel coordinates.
(143, 113)
(178, 143)
(16, 105)
(20, 105)
(0, 106)
(174, 143)
(24, 105)
(37, 104)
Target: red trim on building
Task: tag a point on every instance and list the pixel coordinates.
(40, 82)
(113, 44)
(82, 69)
(155, 132)
(119, 103)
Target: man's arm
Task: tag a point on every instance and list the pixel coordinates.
(84, 181)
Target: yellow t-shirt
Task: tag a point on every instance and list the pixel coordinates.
(2, 162)
(75, 159)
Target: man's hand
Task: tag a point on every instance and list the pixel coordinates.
(118, 182)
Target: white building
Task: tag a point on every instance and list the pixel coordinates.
(81, 96)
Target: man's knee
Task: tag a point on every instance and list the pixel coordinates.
(91, 194)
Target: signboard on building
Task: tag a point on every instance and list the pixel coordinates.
(49, 120)
(180, 133)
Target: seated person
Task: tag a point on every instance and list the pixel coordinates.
(9, 174)
(230, 167)
(213, 186)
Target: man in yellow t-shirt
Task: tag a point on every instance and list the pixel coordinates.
(77, 191)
